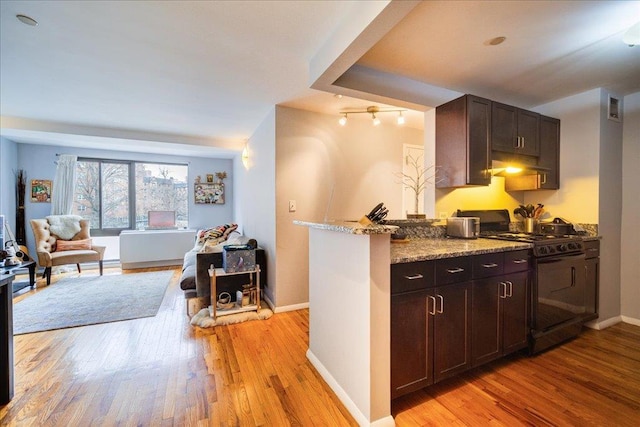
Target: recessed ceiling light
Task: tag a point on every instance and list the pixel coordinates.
(495, 41)
(27, 20)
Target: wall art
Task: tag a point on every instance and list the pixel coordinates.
(41, 190)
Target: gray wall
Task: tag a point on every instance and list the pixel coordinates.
(8, 164)
(39, 163)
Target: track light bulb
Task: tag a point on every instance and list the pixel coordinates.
(343, 120)
(400, 120)
(376, 121)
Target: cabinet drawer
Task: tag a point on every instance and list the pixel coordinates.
(591, 249)
(487, 265)
(453, 270)
(517, 261)
(411, 276)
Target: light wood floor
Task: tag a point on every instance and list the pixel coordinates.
(162, 371)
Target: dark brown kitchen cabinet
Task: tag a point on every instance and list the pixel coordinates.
(463, 132)
(499, 312)
(412, 299)
(549, 159)
(592, 271)
(514, 130)
(452, 330)
(411, 342)
(450, 314)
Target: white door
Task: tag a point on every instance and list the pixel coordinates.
(413, 171)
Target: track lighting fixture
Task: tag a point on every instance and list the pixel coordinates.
(373, 110)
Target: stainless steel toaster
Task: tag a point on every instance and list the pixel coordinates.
(463, 227)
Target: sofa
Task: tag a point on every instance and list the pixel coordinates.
(195, 281)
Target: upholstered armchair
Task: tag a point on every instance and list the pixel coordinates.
(53, 250)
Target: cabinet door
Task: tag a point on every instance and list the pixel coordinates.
(549, 153)
(451, 330)
(463, 132)
(486, 334)
(411, 342)
(528, 132)
(515, 314)
(592, 268)
(504, 127)
(478, 144)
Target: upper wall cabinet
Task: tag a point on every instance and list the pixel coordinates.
(514, 130)
(547, 176)
(549, 153)
(463, 132)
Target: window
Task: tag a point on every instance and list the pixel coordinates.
(117, 195)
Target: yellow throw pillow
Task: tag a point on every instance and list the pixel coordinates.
(73, 245)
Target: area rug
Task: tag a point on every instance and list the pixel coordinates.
(204, 320)
(91, 299)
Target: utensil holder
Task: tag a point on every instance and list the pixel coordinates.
(530, 225)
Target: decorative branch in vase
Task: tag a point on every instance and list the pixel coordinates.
(417, 181)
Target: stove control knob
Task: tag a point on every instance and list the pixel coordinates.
(572, 246)
(562, 248)
(543, 250)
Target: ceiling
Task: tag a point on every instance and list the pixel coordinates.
(198, 77)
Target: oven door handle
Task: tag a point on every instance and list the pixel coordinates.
(560, 258)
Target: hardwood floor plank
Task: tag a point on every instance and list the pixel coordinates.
(161, 371)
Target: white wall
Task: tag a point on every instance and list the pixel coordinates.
(254, 208)
(8, 167)
(313, 155)
(578, 197)
(609, 210)
(630, 239)
(590, 181)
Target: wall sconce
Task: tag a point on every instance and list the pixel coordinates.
(373, 110)
(245, 155)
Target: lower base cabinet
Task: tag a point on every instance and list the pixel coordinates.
(430, 338)
(499, 316)
(453, 314)
(411, 342)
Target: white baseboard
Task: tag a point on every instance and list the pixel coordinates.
(292, 307)
(360, 418)
(602, 324)
(631, 320)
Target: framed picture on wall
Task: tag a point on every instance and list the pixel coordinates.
(209, 193)
(41, 190)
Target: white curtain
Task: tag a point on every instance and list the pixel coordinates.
(64, 185)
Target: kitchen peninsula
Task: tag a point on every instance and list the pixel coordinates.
(350, 306)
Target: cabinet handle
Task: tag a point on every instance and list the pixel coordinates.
(431, 297)
(544, 179)
(520, 261)
(573, 276)
(503, 295)
(517, 142)
(441, 304)
(592, 250)
(510, 283)
(455, 270)
(523, 143)
(414, 277)
(492, 265)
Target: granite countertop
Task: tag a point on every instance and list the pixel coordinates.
(349, 227)
(427, 249)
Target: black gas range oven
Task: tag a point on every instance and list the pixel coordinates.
(558, 306)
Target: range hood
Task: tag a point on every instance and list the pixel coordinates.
(519, 176)
(515, 168)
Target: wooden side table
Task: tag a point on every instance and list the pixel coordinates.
(214, 311)
(30, 265)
